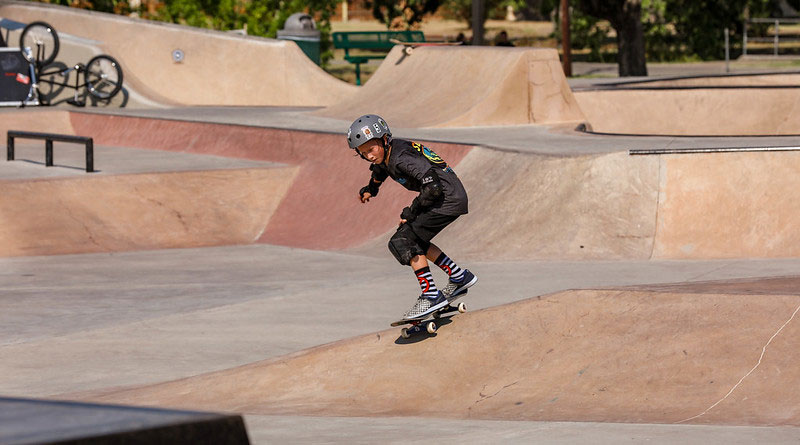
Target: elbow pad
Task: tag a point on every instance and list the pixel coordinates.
(430, 192)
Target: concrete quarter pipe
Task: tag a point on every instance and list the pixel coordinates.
(218, 68)
(451, 86)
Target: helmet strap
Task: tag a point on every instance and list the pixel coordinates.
(387, 148)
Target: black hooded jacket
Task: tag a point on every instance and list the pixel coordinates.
(409, 163)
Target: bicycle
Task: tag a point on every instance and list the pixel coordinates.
(102, 75)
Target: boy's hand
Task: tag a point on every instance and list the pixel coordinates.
(407, 215)
(368, 191)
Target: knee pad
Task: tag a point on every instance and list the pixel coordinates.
(405, 245)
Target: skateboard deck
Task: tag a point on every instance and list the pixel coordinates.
(409, 46)
(400, 42)
(425, 323)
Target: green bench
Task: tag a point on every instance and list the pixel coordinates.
(371, 41)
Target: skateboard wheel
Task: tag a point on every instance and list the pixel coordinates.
(404, 333)
(462, 307)
(431, 327)
(408, 50)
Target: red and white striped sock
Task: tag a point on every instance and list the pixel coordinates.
(426, 283)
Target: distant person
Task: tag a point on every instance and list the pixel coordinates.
(462, 39)
(441, 200)
(501, 39)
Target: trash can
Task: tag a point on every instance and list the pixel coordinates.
(300, 28)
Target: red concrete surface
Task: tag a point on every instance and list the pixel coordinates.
(321, 209)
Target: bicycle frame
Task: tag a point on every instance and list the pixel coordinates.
(48, 77)
(33, 94)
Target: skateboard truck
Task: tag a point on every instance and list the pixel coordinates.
(429, 326)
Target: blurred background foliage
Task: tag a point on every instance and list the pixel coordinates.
(673, 29)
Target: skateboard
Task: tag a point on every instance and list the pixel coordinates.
(420, 324)
(409, 46)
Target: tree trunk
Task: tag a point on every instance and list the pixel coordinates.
(626, 18)
(477, 21)
(630, 40)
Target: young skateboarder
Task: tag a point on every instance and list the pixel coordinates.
(441, 200)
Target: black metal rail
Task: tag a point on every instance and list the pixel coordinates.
(670, 151)
(48, 145)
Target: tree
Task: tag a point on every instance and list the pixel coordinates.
(403, 14)
(110, 6)
(672, 29)
(461, 10)
(585, 31)
(262, 17)
(625, 16)
(698, 24)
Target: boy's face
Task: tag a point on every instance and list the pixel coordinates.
(373, 151)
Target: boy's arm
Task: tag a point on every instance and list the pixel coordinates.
(430, 193)
(375, 181)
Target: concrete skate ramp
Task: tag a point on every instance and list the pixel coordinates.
(522, 206)
(787, 285)
(219, 68)
(778, 79)
(451, 86)
(29, 421)
(525, 206)
(731, 205)
(616, 206)
(312, 203)
(740, 105)
(135, 212)
(321, 209)
(40, 120)
(608, 355)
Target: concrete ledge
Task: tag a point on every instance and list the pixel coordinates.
(48, 421)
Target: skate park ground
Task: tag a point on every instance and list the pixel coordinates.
(218, 261)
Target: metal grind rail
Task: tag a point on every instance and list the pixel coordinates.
(49, 138)
(672, 151)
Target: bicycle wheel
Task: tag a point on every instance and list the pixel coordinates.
(42, 39)
(103, 77)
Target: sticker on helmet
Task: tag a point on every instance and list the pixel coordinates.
(366, 132)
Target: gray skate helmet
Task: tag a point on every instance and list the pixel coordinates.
(366, 127)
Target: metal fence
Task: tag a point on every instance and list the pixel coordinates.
(775, 39)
